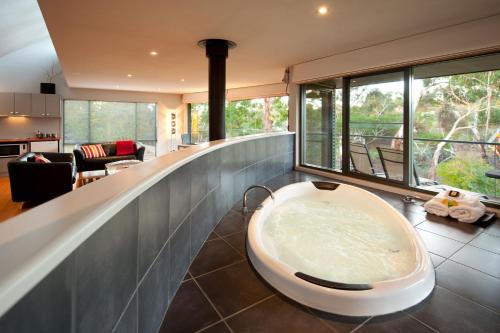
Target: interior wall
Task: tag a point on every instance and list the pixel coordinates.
(26, 127)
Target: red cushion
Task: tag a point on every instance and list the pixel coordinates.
(126, 147)
(41, 159)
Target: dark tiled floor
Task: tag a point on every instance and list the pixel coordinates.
(224, 294)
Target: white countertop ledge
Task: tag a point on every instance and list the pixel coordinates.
(33, 243)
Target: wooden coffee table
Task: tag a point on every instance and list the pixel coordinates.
(87, 177)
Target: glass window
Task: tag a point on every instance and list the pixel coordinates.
(456, 122)
(112, 121)
(199, 122)
(322, 125)
(453, 125)
(76, 122)
(376, 114)
(99, 121)
(245, 117)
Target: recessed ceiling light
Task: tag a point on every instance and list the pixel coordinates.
(322, 10)
(153, 53)
(129, 75)
(182, 80)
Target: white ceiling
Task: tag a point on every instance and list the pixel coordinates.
(21, 24)
(99, 42)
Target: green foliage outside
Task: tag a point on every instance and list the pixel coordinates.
(243, 117)
(466, 173)
(463, 107)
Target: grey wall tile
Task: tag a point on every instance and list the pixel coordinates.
(180, 196)
(106, 272)
(180, 256)
(250, 176)
(229, 162)
(250, 152)
(201, 223)
(153, 223)
(198, 177)
(214, 169)
(128, 322)
(221, 204)
(289, 162)
(47, 307)
(290, 143)
(239, 185)
(154, 294)
(260, 149)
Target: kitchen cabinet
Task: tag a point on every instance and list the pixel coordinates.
(44, 146)
(52, 106)
(6, 104)
(22, 104)
(45, 105)
(33, 105)
(37, 105)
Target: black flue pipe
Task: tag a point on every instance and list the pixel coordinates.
(217, 52)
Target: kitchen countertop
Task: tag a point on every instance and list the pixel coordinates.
(28, 139)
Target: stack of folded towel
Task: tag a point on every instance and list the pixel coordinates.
(465, 208)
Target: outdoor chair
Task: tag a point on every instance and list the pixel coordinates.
(361, 160)
(392, 163)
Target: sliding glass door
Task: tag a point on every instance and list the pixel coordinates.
(376, 126)
(430, 127)
(322, 125)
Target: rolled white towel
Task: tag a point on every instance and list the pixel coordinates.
(468, 210)
(437, 207)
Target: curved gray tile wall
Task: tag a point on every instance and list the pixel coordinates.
(124, 276)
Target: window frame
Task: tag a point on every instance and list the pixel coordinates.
(408, 116)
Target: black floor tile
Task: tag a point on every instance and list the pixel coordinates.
(415, 217)
(439, 245)
(231, 223)
(276, 314)
(485, 261)
(448, 312)
(398, 322)
(462, 232)
(234, 288)
(470, 283)
(238, 241)
(339, 324)
(212, 236)
(213, 255)
(217, 328)
(487, 242)
(189, 312)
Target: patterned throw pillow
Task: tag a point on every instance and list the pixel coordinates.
(39, 158)
(92, 151)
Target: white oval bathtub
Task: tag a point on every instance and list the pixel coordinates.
(340, 249)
